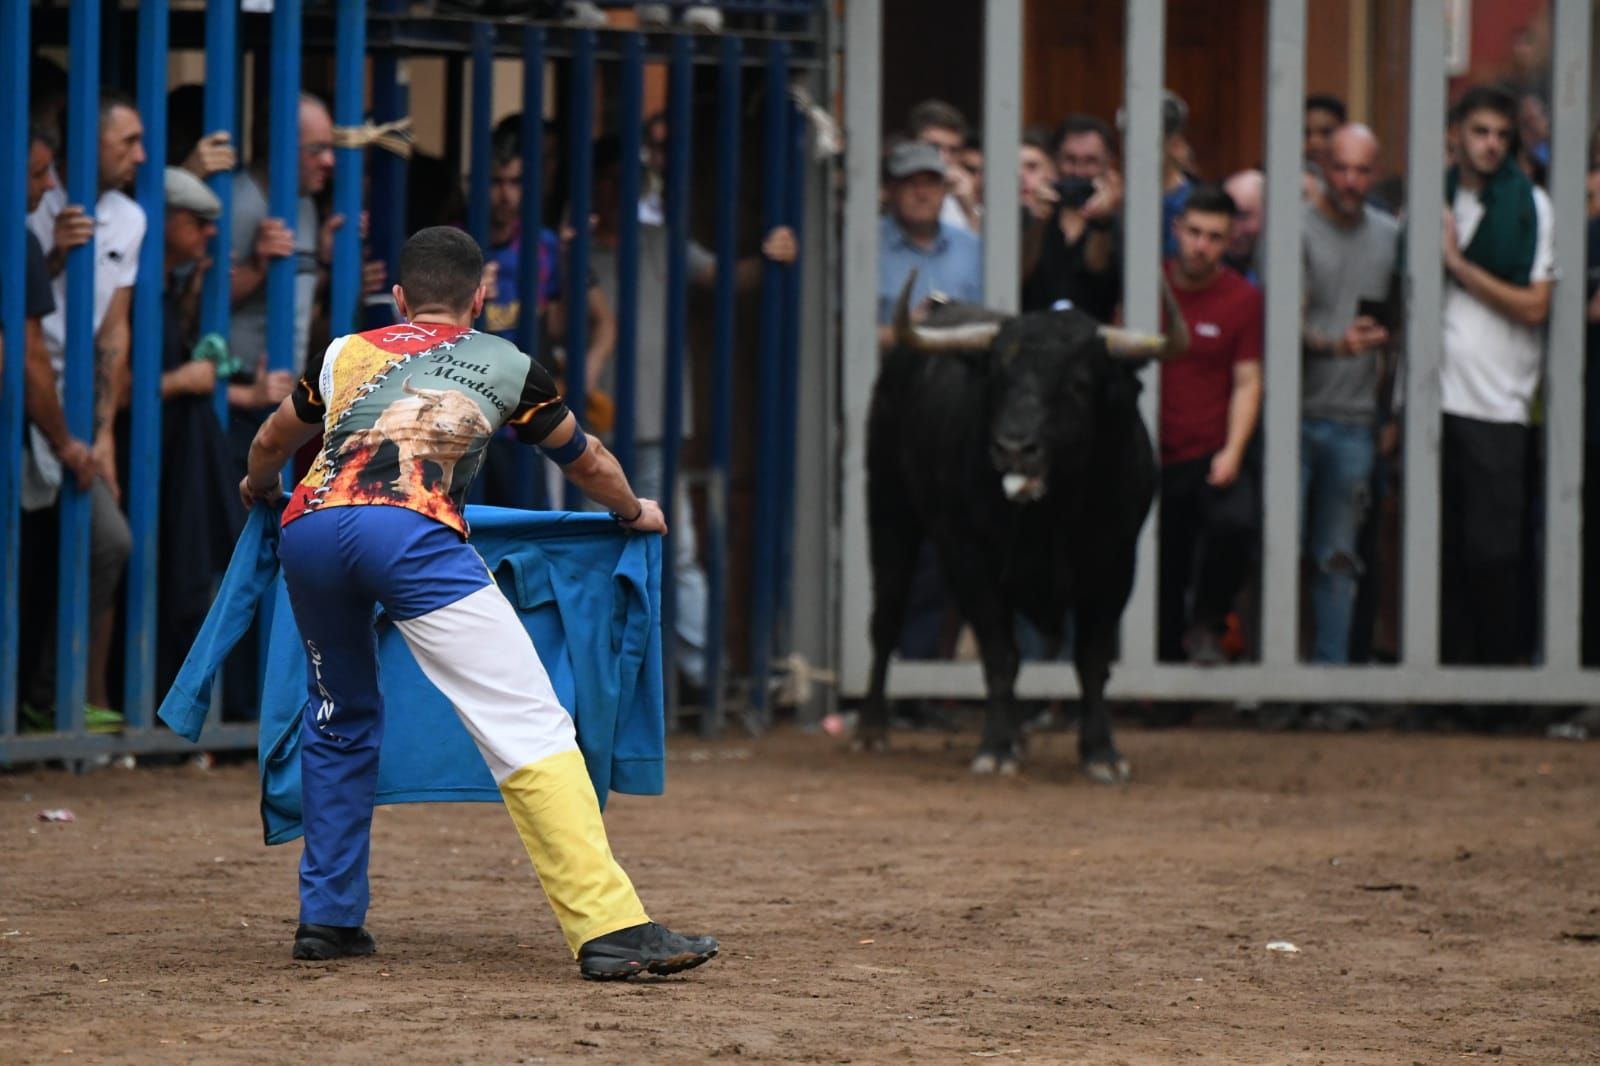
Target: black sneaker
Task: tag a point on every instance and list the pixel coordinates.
(323, 942)
(643, 948)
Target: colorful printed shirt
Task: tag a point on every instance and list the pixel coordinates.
(407, 411)
(504, 306)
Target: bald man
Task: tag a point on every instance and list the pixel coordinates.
(1350, 251)
(1248, 189)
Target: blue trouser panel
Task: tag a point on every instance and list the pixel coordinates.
(339, 564)
(1335, 491)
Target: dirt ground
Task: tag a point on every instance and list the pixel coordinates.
(1444, 894)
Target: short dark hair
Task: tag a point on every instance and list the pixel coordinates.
(936, 114)
(441, 267)
(505, 143)
(1484, 98)
(111, 99)
(1038, 137)
(1074, 125)
(43, 135)
(1329, 103)
(1210, 198)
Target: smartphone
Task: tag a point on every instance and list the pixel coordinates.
(1074, 192)
(1377, 310)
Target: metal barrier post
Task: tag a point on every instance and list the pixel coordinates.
(389, 104)
(221, 102)
(580, 170)
(532, 134)
(630, 128)
(789, 423)
(83, 187)
(349, 99)
(482, 118)
(283, 181)
(144, 459)
(14, 146)
(775, 160)
(727, 221)
(679, 142)
(1002, 134)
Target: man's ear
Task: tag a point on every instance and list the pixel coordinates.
(399, 295)
(477, 302)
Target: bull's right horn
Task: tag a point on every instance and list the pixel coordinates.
(974, 336)
(1136, 344)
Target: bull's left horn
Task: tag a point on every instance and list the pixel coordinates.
(1136, 344)
(974, 336)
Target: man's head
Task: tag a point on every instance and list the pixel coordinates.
(1350, 170)
(41, 154)
(1248, 189)
(1084, 147)
(1483, 121)
(316, 145)
(1204, 229)
(1035, 165)
(192, 213)
(1178, 153)
(47, 93)
(937, 123)
(441, 273)
(1324, 114)
(505, 178)
(915, 171)
(121, 140)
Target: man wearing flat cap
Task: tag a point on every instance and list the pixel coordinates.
(947, 260)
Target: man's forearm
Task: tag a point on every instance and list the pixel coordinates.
(1526, 304)
(39, 397)
(246, 278)
(109, 365)
(599, 476)
(1244, 407)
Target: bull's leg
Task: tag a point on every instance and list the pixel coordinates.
(894, 560)
(1000, 747)
(1097, 752)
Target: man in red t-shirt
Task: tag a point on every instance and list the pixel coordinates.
(1210, 400)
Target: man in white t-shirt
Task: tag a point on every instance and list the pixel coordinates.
(118, 226)
(1499, 260)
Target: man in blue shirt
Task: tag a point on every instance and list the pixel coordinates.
(910, 235)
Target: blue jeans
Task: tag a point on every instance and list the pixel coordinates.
(1335, 490)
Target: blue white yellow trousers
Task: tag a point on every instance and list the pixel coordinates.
(339, 565)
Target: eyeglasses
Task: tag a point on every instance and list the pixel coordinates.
(317, 148)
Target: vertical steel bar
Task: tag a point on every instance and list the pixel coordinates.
(1425, 291)
(630, 131)
(1002, 135)
(349, 105)
(1146, 67)
(580, 159)
(532, 136)
(789, 391)
(774, 167)
(727, 222)
(15, 149)
(1280, 593)
(1563, 396)
(482, 119)
(83, 187)
(283, 181)
(680, 91)
(144, 451)
(221, 113)
(389, 103)
(863, 59)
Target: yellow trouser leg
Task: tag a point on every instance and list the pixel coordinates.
(553, 805)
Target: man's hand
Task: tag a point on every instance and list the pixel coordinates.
(374, 276)
(491, 276)
(212, 154)
(1041, 203)
(105, 462)
(77, 457)
(274, 240)
(779, 246)
(1363, 335)
(963, 186)
(268, 491)
(73, 229)
(1106, 202)
(650, 519)
(271, 386)
(197, 377)
(1389, 438)
(1224, 470)
(1452, 250)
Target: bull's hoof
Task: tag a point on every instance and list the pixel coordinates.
(1010, 767)
(984, 763)
(1006, 764)
(1108, 771)
(870, 742)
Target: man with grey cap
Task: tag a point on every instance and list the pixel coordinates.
(911, 236)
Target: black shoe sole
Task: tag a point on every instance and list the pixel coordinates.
(660, 967)
(315, 949)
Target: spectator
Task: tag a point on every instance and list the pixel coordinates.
(118, 226)
(1210, 400)
(912, 235)
(1533, 136)
(1325, 113)
(1177, 165)
(1499, 260)
(1071, 252)
(1036, 167)
(1350, 251)
(1248, 189)
(47, 95)
(937, 123)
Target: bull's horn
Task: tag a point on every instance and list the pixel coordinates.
(1136, 344)
(405, 386)
(973, 336)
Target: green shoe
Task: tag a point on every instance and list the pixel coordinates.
(101, 719)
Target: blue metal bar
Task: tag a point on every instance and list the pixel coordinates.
(283, 179)
(144, 445)
(680, 89)
(14, 147)
(221, 113)
(580, 159)
(775, 162)
(630, 132)
(349, 100)
(83, 187)
(482, 117)
(727, 157)
(789, 423)
(532, 135)
(389, 103)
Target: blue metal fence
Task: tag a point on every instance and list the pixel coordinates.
(604, 87)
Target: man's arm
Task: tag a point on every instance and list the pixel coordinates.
(1244, 407)
(111, 383)
(273, 240)
(598, 474)
(602, 337)
(39, 399)
(279, 437)
(1526, 304)
(778, 247)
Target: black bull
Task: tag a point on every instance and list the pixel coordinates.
(1015, 447)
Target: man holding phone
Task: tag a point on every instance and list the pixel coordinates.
(1350, 251)
(1071, 253)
